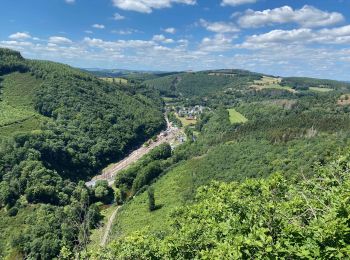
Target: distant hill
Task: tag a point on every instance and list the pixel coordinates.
(305, 83)
(202, 83)
(118, 72)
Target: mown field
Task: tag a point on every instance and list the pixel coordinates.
(236, 117)
(270, 83)
(318, 89)
(185, 121)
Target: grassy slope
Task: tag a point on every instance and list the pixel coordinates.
(170, 192)
(17, 112)
(236, 117)
(233, 161)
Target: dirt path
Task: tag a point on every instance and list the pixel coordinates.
(105, 236)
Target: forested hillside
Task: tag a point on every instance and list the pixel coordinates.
(59, 125)
(204, 83)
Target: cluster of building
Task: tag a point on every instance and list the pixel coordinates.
(191, 112)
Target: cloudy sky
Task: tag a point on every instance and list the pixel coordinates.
(295, 37)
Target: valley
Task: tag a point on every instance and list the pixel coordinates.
(174, 129)
(141, 160)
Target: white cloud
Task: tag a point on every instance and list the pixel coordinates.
(170, 30)
(339, 31)
(98, 26)
(70, 1)
(301, 36)
(125, 31)
(20, 36)
(237, 2)
(218, 43)
(307, 16)
(162, 38)
(147, 6)
(284, 59)
(118, 17)
(13, 44)
(278, 37)
(219, 27)
(59, 40)
(89, 32)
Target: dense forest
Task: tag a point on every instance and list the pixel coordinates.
(83, 125)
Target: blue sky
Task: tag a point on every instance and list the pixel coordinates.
(299, 38)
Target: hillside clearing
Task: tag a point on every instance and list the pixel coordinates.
(270, 83)
(17, 113)
(116, 80)
(236, 117)
(318, 89)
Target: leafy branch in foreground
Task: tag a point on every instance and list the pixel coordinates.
(257, 219)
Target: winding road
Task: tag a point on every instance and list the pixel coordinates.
(170, 135)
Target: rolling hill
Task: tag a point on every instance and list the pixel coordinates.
(190, 84)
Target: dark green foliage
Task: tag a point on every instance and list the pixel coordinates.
(12, 211)
(49, 228)
(162, 152)
(145, 170)
(103, 192)
(11, 61)
(151, 199)
(146, 175)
